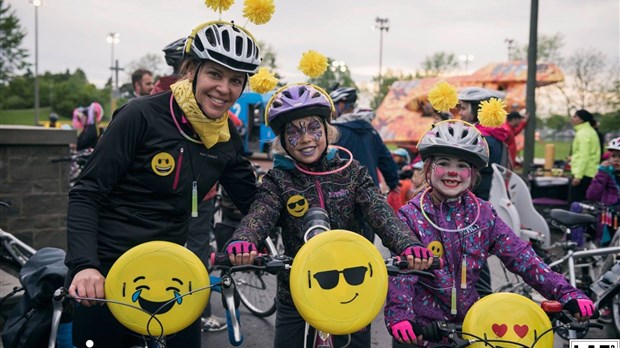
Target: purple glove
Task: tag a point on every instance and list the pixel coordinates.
(418, 252)
(240, 247)
(403, 332)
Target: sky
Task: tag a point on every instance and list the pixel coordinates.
(72, 33)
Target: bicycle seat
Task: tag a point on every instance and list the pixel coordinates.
(570, 219)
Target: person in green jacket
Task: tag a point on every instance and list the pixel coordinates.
(586, 153)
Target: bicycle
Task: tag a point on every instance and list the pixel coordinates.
(528, 325)
(314, 304)
(77, 159)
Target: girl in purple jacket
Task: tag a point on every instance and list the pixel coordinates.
(463, 230)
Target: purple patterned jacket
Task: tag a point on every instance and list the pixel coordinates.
(422, 300)
(605, 187)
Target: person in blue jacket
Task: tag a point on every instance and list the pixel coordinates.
(359, 136)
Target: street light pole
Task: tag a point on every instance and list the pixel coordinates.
(112, 39)
(36, 4)
(383, 24)
(466, 58)
(509, 43)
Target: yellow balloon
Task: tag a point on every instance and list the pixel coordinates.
(509, 317)
(160, 279)
(338, 282)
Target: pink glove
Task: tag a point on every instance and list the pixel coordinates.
(418, 252)
(586, 307)
(403, 332)
(240, 247)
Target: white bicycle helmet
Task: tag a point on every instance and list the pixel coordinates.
(455, 138)
(479, 94)
(225, 43)
(614, 144)
(345, 94)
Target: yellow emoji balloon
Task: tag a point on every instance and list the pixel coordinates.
(508, 317)
(162, 164)
(436, 248)
(297, 205)
(158, 280)
(338, 282)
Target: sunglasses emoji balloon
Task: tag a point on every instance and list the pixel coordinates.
(162, 287)
(338, 282)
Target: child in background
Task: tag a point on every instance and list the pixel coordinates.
(605, 188)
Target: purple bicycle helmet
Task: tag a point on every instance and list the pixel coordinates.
(297, 101)
(455, 138)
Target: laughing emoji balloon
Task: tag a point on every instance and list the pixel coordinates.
(165, 284)
(338, 282)
(505, 317)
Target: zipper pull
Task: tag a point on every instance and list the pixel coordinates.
(194, 199)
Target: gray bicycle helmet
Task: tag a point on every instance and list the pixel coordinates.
(479, 94)
(225, 43)
(296, 101)
(345, 94)
(173, 52)
(455, 138)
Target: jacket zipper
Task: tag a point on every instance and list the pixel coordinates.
(178, 171)
(320, 193)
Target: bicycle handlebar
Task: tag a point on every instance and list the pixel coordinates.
(438, 330)
(274, 264)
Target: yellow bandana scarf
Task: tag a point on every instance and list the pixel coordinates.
(210, 131)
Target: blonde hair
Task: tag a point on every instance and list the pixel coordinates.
(332, 137)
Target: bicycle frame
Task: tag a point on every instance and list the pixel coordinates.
(572, 255)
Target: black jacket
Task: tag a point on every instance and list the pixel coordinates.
(137, 185)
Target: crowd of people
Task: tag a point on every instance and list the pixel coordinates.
(327, 155)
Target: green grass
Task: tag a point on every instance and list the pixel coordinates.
(562, 149)
(24, 116)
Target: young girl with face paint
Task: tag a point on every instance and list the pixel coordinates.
(463, 230)
(308, 173)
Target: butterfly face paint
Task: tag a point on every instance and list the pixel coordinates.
(450, 176)
(304, 139)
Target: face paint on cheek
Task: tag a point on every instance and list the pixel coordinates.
(439, 170)
(292, 135)
(464, 172)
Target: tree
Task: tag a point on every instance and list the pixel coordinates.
(387, 79)
(557, 122)
(439, 63)
(155, 63)
(11, 54)
(585, 87)
(336, 75)
(548, 50)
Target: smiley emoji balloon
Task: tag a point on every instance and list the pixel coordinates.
(508, 317)
(338, 282)
(159, 280)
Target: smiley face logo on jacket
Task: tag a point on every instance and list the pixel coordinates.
(162, 164)
(297, 205)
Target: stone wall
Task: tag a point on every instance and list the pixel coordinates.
(36, 187)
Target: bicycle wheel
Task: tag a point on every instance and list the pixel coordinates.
(257, 290)
(615, 310)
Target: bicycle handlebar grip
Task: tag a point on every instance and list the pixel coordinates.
(430, 332)
(220, 259)
(402, 264)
